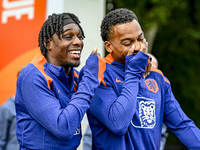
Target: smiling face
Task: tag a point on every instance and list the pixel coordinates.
(66, 52)
(123, 37)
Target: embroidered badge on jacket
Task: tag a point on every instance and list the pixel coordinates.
(152, 85)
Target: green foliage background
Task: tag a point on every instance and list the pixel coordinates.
(176, 46)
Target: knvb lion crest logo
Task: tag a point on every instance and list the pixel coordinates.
(147, 114)
(146, 117)
(152, 85)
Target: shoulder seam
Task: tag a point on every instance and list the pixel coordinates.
(160, 72)
(39, 62)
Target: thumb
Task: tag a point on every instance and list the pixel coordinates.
(94, 51)
(131, 50)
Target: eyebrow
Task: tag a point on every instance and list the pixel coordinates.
(130, 38)
(69, 30)
(66, 30)
(141, 34)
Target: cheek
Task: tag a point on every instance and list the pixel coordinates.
(82, 44)
(124, 50)
(67, 45)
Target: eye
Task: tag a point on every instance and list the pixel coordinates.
(68, 37)
(80, 37)
(140, 39)
(126, 43)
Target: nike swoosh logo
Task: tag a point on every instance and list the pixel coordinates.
(119, 81)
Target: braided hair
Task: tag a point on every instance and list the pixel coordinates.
(54, 24)
(117, 16)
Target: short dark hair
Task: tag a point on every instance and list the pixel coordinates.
(117, 16)
(54, 24)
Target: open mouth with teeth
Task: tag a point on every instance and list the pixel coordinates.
(75, 53)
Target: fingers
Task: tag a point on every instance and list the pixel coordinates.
(149, 65)
(131, 50)
(148, 68)
(144, 75)
(94, 51)
(144, 46)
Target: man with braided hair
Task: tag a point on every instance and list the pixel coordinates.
(49, 104)
(129, 107)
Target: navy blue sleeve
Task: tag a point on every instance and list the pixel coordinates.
(177, 121)
(44, 107)
(116, 112)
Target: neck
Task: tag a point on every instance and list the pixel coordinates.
(67, 70)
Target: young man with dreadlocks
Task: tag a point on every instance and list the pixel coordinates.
(49, 105)
(127, 110)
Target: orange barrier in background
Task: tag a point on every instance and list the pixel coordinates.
(20, 22)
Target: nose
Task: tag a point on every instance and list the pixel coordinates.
(77, 41)
(137, 45)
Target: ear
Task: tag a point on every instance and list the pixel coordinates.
(48, 45)
(108, 46)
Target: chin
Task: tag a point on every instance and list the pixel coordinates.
(74, 64)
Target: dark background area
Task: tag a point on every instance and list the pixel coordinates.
(172, 28)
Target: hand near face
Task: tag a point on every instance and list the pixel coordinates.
(148, 68)
(144, 46)
(131, 50)
(144, 49)
(95, 52)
